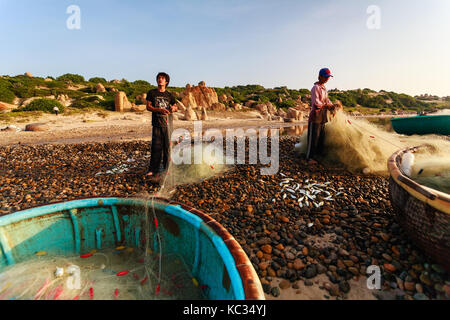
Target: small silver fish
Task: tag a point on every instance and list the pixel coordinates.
(284, 196)
(310, 224)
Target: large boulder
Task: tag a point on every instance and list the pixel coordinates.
(181, 106)
(28, 74)
(190, 114)
(100, 88)
(48, 79)
(37, 127)
(178, 116)
(121, 103)
(138, 108)
(271, 109)
(142, 98)
(262, 108)
(281, 113)
(295, 114)
(6, 107)
(249, 103)
(64, 99)
(11, 128)
(277, 118)
(236, 106)
(218, 107)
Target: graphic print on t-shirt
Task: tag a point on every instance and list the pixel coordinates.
(162, 102)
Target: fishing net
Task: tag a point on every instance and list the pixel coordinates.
(124, 274)
(363, 146)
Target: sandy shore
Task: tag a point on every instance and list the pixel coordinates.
(115, 127)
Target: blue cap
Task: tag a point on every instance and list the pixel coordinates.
(325, 72)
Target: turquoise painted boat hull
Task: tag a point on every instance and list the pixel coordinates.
(78, 226)
(438, 124)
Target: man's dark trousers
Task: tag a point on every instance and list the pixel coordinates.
(160, 149)
(316, 138)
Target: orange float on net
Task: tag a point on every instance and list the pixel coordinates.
(91, 293)
(116, 293)
(122, 273)
(156, 222)
(158, 287)
(86, 255)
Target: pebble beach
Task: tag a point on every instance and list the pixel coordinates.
(299, 252)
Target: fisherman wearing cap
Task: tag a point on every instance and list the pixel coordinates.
(320, 104)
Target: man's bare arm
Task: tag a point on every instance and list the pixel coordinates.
(153, 109)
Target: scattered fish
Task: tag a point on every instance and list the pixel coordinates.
(308, 193)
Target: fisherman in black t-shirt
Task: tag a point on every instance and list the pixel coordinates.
(162, 104)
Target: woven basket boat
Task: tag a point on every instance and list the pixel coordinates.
(422, 211)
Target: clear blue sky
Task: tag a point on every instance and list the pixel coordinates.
(229, 42)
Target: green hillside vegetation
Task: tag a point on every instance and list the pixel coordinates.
(76, 87)
(44, 105)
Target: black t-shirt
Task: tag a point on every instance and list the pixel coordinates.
(162, 100)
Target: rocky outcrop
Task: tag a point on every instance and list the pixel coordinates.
(200, 96)
(281, 113)
(180, 106)
(277, 118)
(266, 108)
(142, 98)
(100, 88)
(262, 108)
(37, 127)
(190, 114)
(249, 103)
(295, 114)
(271, 108)
(28, 74)
(138, 108)
(6, 107)
(218, 107)
(236, 106)
(64, 99)
(48, 79)
(121, 103)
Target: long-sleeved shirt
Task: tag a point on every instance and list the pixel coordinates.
(319, 103)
